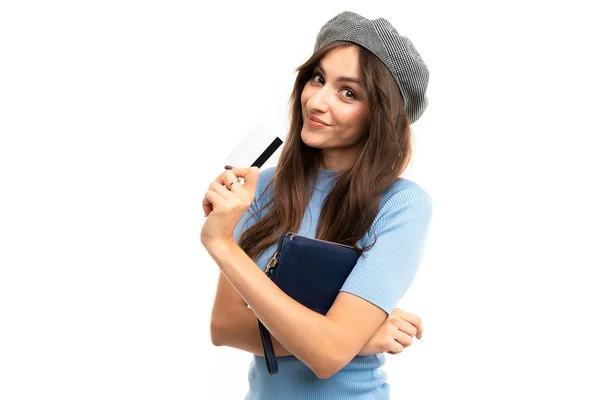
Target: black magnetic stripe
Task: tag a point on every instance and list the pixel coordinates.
(267, 153)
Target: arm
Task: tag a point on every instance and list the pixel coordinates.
(395, 334)
(323, 343)
(233, 324)
(332, 340)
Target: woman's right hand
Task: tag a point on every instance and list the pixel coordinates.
(395, 334)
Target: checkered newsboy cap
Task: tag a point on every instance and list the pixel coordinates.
(395, 51)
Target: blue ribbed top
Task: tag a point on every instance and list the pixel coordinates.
(381, 277)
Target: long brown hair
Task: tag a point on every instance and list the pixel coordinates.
(386, 152)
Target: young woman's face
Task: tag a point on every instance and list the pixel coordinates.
(335, 111)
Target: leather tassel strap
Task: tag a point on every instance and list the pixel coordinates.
(265, 338)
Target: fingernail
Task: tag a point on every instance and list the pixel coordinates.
(228, 167)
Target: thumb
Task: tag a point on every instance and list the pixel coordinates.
(250, 176)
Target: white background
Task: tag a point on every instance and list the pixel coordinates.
(116, 115)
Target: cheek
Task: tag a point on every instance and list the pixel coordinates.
(355, 116)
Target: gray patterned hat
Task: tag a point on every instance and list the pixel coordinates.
(395, 51)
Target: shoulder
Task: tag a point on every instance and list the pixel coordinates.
(405, 191)
(404, 197)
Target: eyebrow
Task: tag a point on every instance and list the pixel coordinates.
(342, 78)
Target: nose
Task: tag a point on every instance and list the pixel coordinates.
(319, 100)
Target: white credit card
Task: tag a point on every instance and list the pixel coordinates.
(255, 148)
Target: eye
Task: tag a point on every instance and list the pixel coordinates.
(348, 93)
(318, 78)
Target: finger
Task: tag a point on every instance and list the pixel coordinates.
(210, 198)
(206, 206)
(229, 179)
(405, 314)
(402, 338)
(221, 190)
(397, 312)
(395, 348)
(417, 323)
(413, 319)
(250, 176)
(405, 326)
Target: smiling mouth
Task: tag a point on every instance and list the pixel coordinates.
(316, 121)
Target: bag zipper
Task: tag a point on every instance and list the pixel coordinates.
(273, 261)
(291, 235)
(271, 264)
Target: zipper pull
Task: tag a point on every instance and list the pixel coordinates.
(271, 264)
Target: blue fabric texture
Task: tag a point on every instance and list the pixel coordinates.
(381, 276)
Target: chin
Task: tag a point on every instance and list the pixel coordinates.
(308, 138)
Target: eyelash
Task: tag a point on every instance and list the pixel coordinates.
(353, 95)
(315, 74)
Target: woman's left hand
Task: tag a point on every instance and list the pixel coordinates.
(395, 334)
(225, 202)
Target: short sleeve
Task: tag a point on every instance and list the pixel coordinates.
(385, 272)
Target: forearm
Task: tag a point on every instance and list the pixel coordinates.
(311, 337)
(240, 330)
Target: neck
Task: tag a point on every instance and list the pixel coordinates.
(337, 161)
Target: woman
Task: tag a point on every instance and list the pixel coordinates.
(337, 179)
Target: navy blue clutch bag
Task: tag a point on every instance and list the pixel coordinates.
(312, 272)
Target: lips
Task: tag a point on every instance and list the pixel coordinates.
(317, 120)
